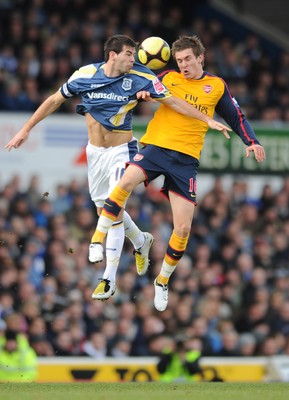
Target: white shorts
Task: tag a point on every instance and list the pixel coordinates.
(105, 168)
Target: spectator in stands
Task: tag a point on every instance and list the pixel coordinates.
(41, 346)
(230, 344)
(95, 346)
(269, 347)
(281, 322)
(211, 341)
(247, 345)
(121, 348)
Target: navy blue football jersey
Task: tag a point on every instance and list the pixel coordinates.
(111, 100)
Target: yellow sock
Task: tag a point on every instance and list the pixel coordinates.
(119, 195)
(98, 237)
(175, 250)
(111, 209)
(162, 279)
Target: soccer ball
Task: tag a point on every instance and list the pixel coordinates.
(154, 52)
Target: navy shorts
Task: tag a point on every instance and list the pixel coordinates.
(179, 169)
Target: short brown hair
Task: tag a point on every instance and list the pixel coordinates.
(115, 43)
(188, 42)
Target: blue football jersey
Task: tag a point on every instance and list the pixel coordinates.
(108, 100)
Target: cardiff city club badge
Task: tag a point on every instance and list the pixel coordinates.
(126, 84)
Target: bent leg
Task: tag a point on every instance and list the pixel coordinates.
(116, 201)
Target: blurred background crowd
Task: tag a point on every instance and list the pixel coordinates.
(230, 290)
(43, 42)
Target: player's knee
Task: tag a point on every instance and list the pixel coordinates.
(182, 229)
(128, 183)
(132, 177)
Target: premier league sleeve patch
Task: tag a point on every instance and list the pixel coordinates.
(159, 87)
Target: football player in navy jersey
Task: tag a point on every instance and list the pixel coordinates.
(109, 91)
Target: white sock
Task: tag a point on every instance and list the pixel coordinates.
(132, 232)
(114, 245)
(167, 270)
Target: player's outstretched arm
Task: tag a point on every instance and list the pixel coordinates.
(258, 150)
(187, 109)
(46, 108)
(191, 112)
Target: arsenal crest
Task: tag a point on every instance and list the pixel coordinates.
(138, 157)
(208, 88)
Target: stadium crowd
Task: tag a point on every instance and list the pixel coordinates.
(230, 289)
(43, 43)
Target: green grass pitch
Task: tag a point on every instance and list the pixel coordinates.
(144, 391)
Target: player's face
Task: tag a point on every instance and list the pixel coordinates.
(190, 65)
(125, 59)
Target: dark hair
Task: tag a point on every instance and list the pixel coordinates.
(188, 42)
(116, 43)
(10, 335)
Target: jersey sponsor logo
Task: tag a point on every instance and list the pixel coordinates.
(138, 157)
(109, 96)
(208, 88)
(97, 85)
(159, 87)
(189, 97)
(126, 84)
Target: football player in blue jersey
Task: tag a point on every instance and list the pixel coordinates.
(109, 91)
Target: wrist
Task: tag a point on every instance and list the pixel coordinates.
(206, 119)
